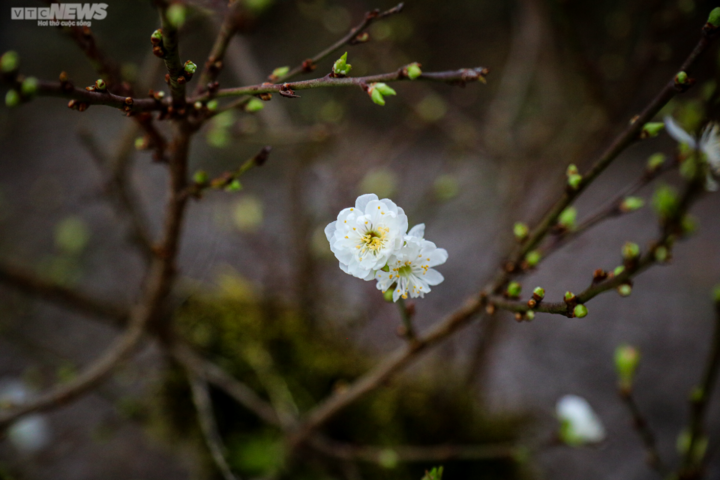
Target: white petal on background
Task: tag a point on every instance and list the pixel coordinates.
(363, 200)
(585, 425)
(417, 231)
(676, 132)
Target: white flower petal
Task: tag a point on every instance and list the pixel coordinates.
(433, 277)
(583, 423)
(680, 135)
(417, 231)
(363, 200)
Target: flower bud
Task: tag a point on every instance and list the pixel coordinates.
(569, 297)
(652, 129)
(630, 251)
(567, 218)
(521, 231)
(533, 258)
(630, 204)
(413, 71)
(529, 315)
(624, 290)
(572, 170)
(655, 161)
(190, 68)
(579, 424)
(176, 14)
(388, 295)
(341, 67)
(714, 17)
(618, 270)
(100, 84)
(681, 78)
(12, 98)
(627, 359)
(9, 62)
(580, 311)
(254, 105)
(200, 177)
(156, 37)
(513, 290)
(538, 294)
(29, 87)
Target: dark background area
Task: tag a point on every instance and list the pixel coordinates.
(468, 162)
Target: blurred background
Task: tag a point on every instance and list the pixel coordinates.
(259, 280)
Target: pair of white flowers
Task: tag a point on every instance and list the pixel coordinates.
(371, 241)
(708, 146)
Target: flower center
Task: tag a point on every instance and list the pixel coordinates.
(373, 240)
(405, 270)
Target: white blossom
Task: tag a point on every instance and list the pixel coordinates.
(364, 237)
(30, 433)
(708, 144)
(579, 424)
(410, 269)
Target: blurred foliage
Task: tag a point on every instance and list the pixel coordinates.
(268, 346)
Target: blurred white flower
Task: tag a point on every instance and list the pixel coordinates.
(32, 432)
(708, 145)
(579, 424)
(364, 237)
(409, 269)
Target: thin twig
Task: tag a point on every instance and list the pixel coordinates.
(172, 57)
(206, 418)
(645, 432)
(214, 63)
(406, 315)
(700, 401)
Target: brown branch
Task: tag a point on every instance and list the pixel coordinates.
(351, 38)
(87, 97)
(28, 283)
(214, 63)
(646, 434)
(412, 453)
(206, 418)
(172, 57)
(699, 403)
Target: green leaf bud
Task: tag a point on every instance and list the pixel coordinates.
(254, 105)
(29, 87)
(655, 161)
(521, 231)
(377, 96)
(530, 315)
(388, 295)
(212, 105)
(156, 36)
(567, 218)
(388, 458)
(12, 98)
(341, 67)
(533, 258)
(100, 84)
(9, 62)
(200, 177)
(413, 71)
(190, 67)
(714, 17)
(699, 447)
(652, 129)
(234, 186)
(513, 290)
(618, 270)
(665, 200)
(572, 170)
(580, 311)
(384, 89)
(689, 225)
(630, 251)
(630, 204)
(716, 294)
(569, 297)
(624, 290)
(661, 254)
(681, 78)
(280, 72)
(140, 143)
(574, 181)
(176, 14)
(539, 293)
(627, 359)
